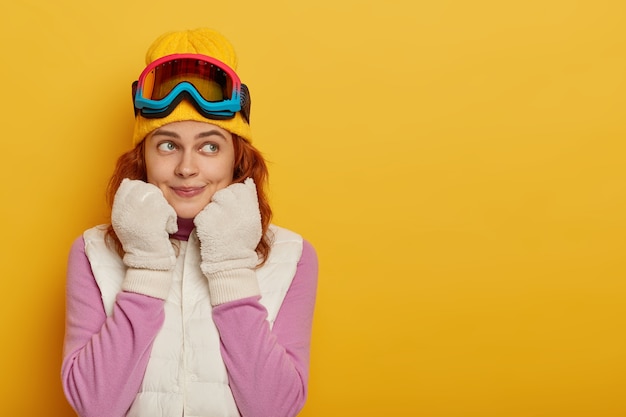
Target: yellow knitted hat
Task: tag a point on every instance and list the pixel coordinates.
(198, 41)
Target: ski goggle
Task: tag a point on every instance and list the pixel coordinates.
(209, 84)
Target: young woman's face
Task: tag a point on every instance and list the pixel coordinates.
(189, 161)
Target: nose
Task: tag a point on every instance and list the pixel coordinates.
(187, 165)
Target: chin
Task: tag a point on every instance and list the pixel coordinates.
(187, 213)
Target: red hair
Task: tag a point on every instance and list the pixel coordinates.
(249, 163)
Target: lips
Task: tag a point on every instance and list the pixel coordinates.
(187, 192)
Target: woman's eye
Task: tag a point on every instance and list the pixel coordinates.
(210, 148)
(166, 146)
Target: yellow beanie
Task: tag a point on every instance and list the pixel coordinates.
(198, 41)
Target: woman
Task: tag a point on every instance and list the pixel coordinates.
(190, 303)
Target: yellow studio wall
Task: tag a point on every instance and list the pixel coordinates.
(459, 167)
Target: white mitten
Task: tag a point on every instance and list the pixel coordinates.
(143, 220)
(229, 229)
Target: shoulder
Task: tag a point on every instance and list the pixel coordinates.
(96, 233)
(86, 239)
(280, 234)
(309, 255)
(98, 249)
(300, 247)
(82, 251)
(78, 247)
(286, 245)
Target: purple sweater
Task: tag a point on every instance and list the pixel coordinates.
(104, 358)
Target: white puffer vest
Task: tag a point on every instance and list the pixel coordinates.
(186, 375)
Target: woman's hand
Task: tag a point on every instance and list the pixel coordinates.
(143, 221)
(229, 229)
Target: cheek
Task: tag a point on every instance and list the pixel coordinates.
(150, 167)
(221, 171)
(152, 175)
(157, 169)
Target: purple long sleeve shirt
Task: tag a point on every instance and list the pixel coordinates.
(105, 357)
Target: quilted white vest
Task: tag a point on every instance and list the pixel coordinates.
(186, 375)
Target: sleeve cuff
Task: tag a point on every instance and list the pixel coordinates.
(226, 286)
(149, 282)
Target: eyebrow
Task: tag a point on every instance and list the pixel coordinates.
(211, 133)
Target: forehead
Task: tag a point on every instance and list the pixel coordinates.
(192, 129)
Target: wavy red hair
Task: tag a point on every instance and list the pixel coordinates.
(249, 163)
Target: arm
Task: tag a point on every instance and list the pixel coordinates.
(268, 368)
(104, 358)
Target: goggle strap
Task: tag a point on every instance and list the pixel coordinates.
(134, 92)
(246, 102)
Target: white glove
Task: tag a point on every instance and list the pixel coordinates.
(143, 220)
(229, 229)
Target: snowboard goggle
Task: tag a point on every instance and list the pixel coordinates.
(210, 85)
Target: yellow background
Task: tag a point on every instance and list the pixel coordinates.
(459, 166)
